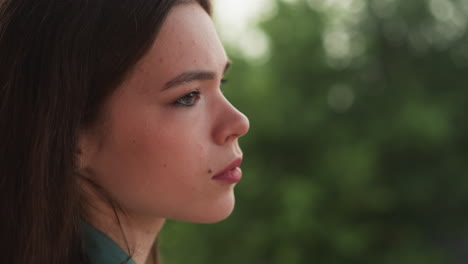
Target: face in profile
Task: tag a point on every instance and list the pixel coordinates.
(168, 129)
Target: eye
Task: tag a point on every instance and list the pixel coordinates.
(223, 82)
(188, 99)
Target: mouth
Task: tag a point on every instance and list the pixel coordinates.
(231, 174)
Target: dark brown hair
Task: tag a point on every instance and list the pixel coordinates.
(59, 61)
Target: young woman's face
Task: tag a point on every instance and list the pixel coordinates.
(164, 140)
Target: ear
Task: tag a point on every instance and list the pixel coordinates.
(84, 150)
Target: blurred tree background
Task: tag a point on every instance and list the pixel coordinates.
(358, 148)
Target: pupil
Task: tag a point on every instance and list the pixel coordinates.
(189, 98)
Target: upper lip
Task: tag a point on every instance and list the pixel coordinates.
(234, 164)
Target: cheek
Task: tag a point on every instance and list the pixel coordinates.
(153, 162)
(165, 144)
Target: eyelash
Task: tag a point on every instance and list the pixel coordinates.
(195, 95)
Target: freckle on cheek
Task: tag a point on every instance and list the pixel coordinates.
(165, 165)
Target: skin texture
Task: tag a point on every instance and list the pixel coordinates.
(157, 158)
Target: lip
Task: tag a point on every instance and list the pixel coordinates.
(231, 174)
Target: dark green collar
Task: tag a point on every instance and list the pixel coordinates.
(101, 249)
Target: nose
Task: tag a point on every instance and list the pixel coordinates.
(230, 124)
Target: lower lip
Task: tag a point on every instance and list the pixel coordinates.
(232, 176)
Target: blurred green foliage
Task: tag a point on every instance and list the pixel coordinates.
(358, 148)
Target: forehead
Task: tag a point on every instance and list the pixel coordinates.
(187, 41)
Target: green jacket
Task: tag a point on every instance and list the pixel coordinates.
(101, 249)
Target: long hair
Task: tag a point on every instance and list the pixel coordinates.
(59, 61)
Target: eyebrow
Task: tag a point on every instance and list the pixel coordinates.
(193, 76)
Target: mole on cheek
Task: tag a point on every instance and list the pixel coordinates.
(210, 171)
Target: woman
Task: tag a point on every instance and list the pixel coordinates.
(112, 121)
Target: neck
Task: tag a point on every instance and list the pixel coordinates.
(133, 233)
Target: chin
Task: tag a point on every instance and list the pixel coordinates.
(215, 217)
(212, 213)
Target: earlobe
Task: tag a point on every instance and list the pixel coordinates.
(80, 157)
(83, 151)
